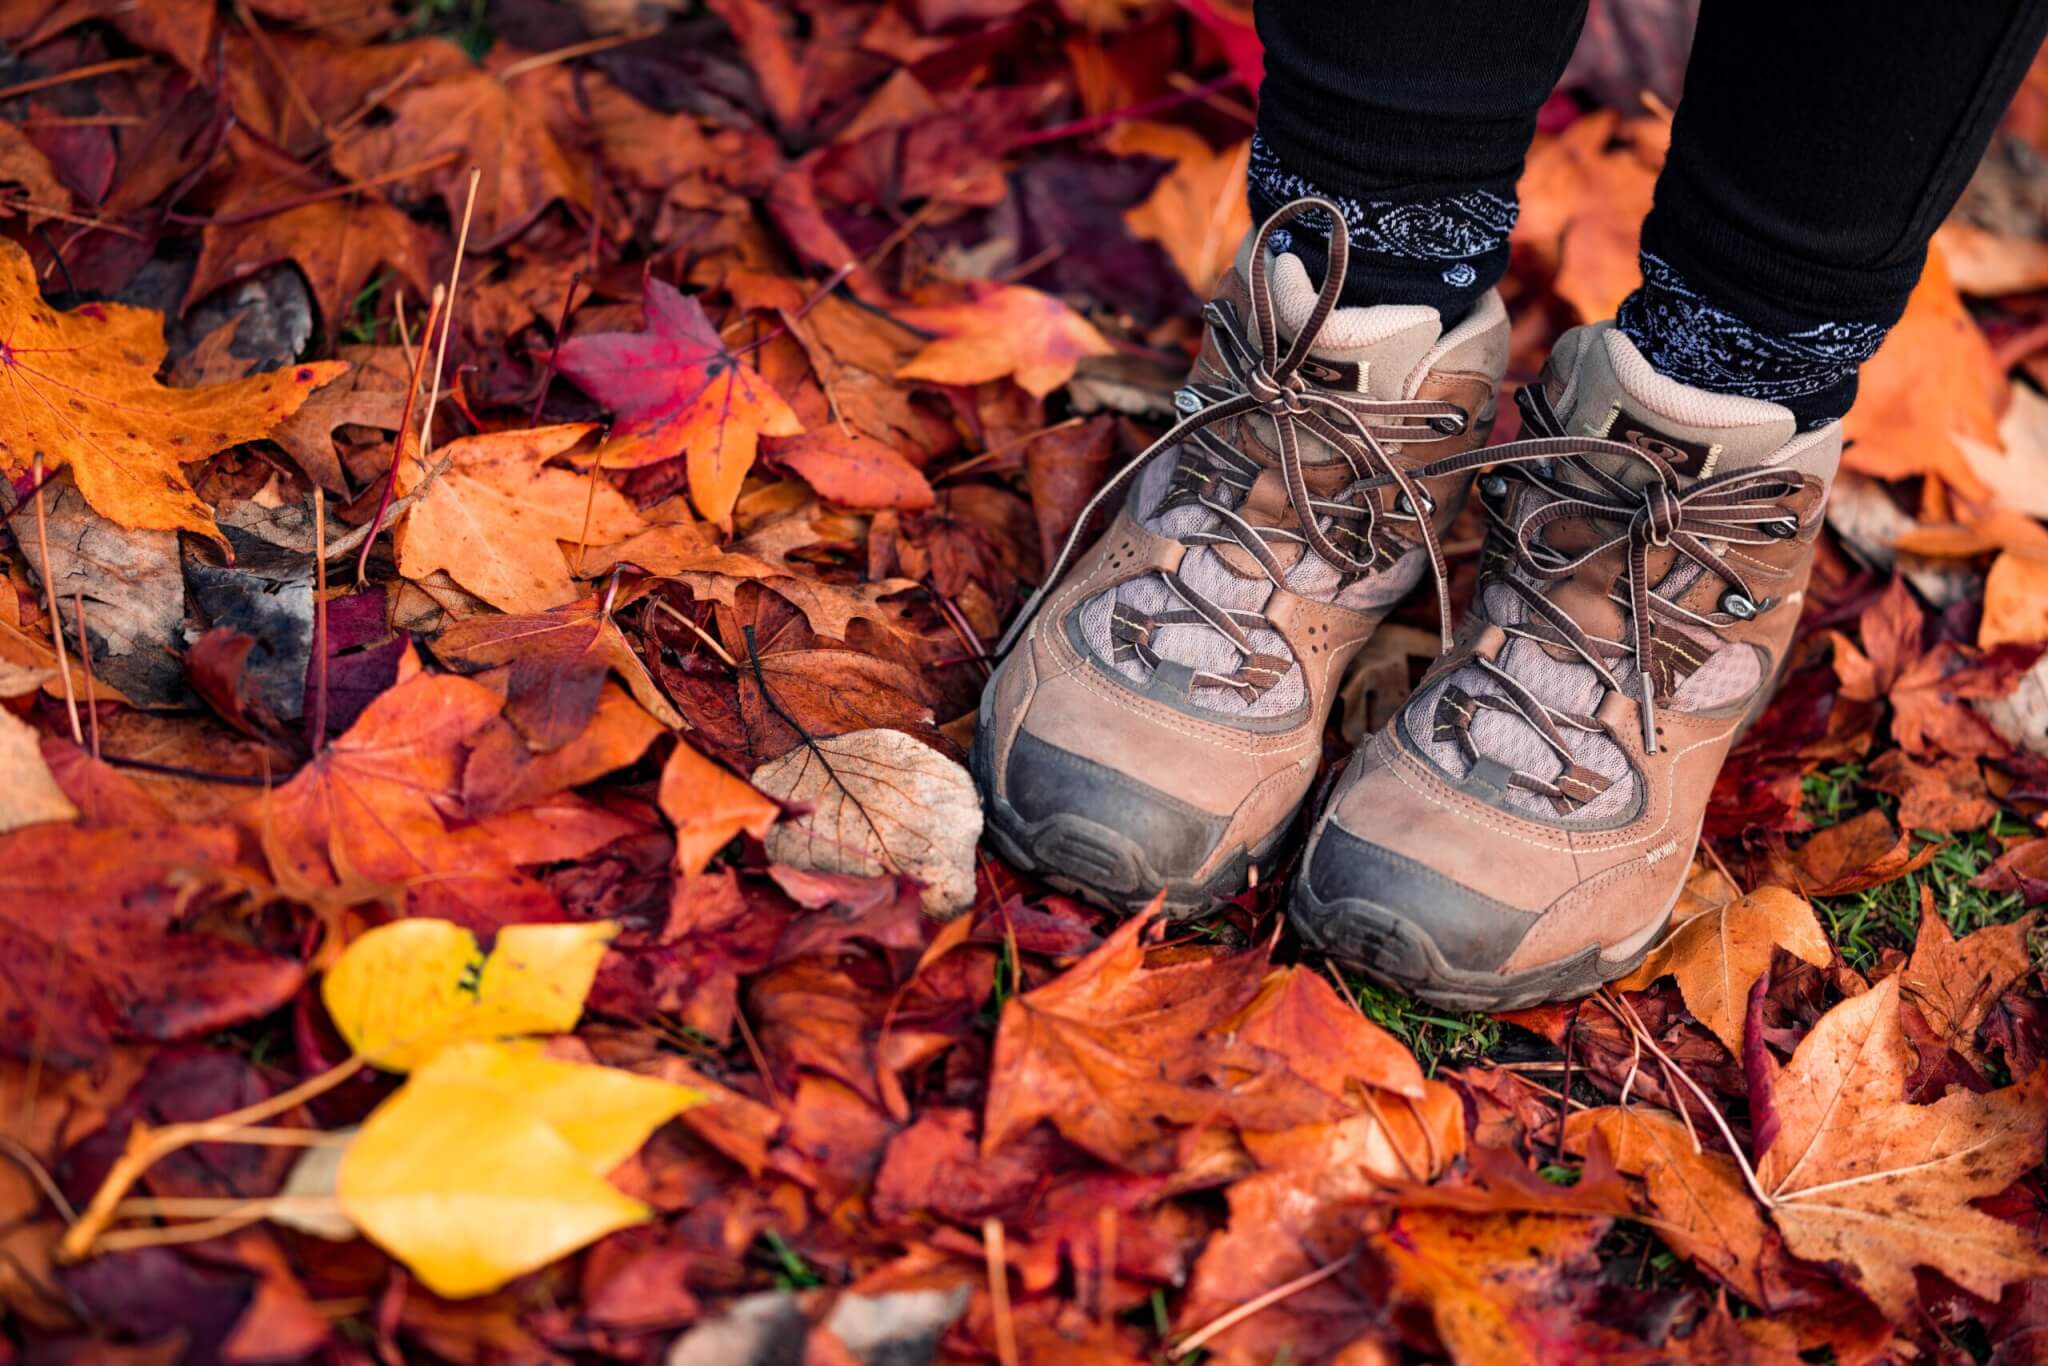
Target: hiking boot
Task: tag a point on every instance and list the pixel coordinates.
(1161, 715)
(1519, 831)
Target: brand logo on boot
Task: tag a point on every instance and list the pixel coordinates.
(1348, 376)
(1694, 459)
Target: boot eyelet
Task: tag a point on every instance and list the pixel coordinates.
(1784, 529)
(1493, 487)
(1187, 401)
(1449, 426)
(1738, 606)
(1406, 508)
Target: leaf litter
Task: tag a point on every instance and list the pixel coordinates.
(570, 939)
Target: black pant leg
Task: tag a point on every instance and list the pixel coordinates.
(1818, 146)
(1414, 117)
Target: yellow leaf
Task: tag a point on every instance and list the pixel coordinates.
(470, 1192)
(605, 1114)
(401, 993)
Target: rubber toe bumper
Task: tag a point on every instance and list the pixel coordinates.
(1100, 834)
(1410, 927)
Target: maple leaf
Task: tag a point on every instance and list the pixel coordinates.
(1198, 210)
(2015, 601)
(708, 806)
(338, 245)
(465, 119)
(83, 394)
(1116, 1055)
(854, 470)
(998, 331)
(1857, 1175)
(678, 391)
(495, 519)
(294, 89)
(117, 963)
(1955, 982)
(1932, 382)
(1718, 954)
(1706, 1212)
(557, 663)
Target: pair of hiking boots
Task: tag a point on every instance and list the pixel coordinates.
(1520, 830)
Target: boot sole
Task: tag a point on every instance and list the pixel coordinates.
(1093, 862)
(1389, 949)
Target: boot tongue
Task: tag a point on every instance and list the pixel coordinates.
(1369, 351)
(1612, 392)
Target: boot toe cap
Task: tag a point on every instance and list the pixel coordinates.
(1398, 918)
(1110, 834)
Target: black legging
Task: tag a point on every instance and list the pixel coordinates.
(1818, 145)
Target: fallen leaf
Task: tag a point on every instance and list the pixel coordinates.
(678, 391)
(403, 992)
(338, 245)
(1940, 796)
(709, 806)
(31, 796)
(603, 1112)
(1955, 982)
(2015, 602)
(1705, 1212)
(1298, 1015)
(1932, 382)
(556, 666)
(1862, 852)
(998, 331)
(881, 802)
(469, 1191)
(1198, 210)
(466, 119)
(86, 398)
(2015, 466)
(1118, 1056)
(1717, 955)
(496, 518)
(853, 470)
(1858, 1176)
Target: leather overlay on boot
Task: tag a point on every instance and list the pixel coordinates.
(1520, 830)
(1158, 716)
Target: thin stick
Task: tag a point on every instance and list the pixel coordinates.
(999, 1289)
(547, 373)
(146, 1146)
(279, 69)
(130, 1239)
(26, 205)
(412, 390)
(760, 1060)
(40, 1174)
(1105, 1262)
(701, 634)
(83, 73)
(1244, 1311)
(316, 724)
(92, 711)
(50, 597)
(448, 320)
(575, 50)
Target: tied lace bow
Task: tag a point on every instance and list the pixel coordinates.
(1630, 517)
(1266, 382)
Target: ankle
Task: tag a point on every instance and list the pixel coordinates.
(1440, 251)
(1807, 367)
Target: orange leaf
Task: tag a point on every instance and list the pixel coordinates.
(1298, 1015)
(82, 390)
(854, 470)
(1933, 381)
(1002, 330)
(2015, 602)
(708, 806)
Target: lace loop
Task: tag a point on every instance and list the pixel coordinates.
(1354, 427)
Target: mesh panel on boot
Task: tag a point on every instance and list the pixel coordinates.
(1202, 648)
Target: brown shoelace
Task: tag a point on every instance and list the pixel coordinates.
(1744, 507)
(1263, 380)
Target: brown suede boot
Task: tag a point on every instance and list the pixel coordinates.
(1161, 715)
(1519, 831)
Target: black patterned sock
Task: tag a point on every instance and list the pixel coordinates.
(1444, 251)
(1684, 336)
